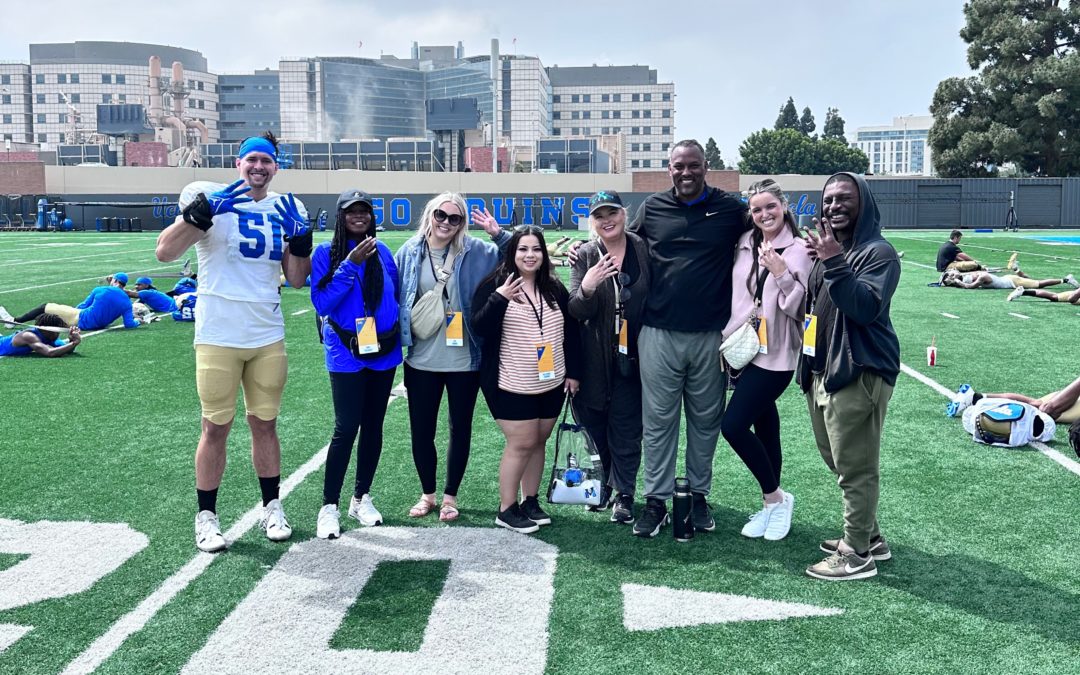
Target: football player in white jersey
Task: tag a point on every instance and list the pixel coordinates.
(245, 236)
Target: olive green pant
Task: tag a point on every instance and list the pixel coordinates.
(847, 427)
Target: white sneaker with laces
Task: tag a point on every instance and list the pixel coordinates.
(1016, 293)
(755, 527)
(208, 536)
(364, 510)
(780, 520)
(329, 524)
(273, 522)
(6, 317)
(1069, 279)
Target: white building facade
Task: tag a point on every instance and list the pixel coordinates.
(899, 149)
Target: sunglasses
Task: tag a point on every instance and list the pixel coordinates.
(454, 219)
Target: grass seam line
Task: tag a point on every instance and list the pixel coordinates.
(109, 642)
(1068, 464)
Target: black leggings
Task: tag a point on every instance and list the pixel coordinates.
(425, 397)
(754, 403)
(616, 431)
(359, 406)
(32, 315)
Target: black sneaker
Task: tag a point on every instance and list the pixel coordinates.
(513, 519)
(605, 500)
(531, 509)
(653, 517)
(623, 510)
(702, 517)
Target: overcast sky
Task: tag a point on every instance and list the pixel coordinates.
(733, 62)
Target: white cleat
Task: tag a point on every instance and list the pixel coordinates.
(329, 524)
(1069, 279)
(273, 522)
(208, 535)
(364, 511)
(6, 317)
(1016, 293)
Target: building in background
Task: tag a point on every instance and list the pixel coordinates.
(899, 149)
(16, 109)
(249, 105)
(595, 101)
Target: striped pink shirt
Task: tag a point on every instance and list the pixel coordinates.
(517, 352)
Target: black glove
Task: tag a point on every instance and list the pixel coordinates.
(199, 213)
(300, 245)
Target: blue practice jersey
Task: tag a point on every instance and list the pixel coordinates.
(156, 300)
(104, 305)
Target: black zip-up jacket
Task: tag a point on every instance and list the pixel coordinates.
(851, 295)
(691, 252)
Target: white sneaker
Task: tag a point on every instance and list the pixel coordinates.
(757, 524)
(364, 510)
(208, 536)
(780, 521)
(1017, 292)
(961, 400)
(6, 317)
(273, 522)
(1069, 279)
(329, 525)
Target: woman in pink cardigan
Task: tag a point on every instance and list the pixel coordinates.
(772, 264)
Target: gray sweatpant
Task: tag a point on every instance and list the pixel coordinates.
(679, 366)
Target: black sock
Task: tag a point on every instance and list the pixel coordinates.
(207, 499)
(269, 487)
(31, 315)
(976, 397)
(864, 554)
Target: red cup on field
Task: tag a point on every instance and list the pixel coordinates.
(931, 355)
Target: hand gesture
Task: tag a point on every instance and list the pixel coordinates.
(226, 199)
(821, 244)
(362, 251)
(511, 288)
(604, 269)
(288, 216)
(771, 260)
(486, 221)
(571, 253)
(74, 335)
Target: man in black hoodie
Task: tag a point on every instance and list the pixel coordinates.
(691, 231)
(851, 357)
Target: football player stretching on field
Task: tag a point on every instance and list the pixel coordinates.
(245, 236)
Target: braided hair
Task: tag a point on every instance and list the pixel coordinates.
(372, 284)
(47, 320)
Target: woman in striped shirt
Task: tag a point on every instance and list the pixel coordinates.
(530, 357)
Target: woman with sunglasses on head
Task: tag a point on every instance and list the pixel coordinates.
(608, 285)
(769, 277)
(449, 359)
(354, 290)
(530, 356)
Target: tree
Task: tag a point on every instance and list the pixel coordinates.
(788, 117)
(712, 155)
(777, 151)
(1023, 104)
(806, 122)
(834, 125)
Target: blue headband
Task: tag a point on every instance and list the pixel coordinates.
(257, 144)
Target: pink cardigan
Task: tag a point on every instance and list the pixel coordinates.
(781, 301)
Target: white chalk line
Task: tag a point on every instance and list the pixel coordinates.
(1019, 316)
(135, 620)
(949, 316)
(1069, 464)
(302, 311)
(994, 248)
(81, 257)
(93, 278)
(912, 262)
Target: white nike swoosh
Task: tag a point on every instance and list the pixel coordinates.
(707, 214)
(852, 570)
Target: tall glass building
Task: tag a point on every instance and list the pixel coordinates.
(250, 105)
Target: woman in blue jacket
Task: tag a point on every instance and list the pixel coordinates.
(449, 359)
(354, 289)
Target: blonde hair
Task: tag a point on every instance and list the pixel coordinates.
(458, 200)
(593, 234)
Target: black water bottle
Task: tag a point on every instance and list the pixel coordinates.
(682, 511)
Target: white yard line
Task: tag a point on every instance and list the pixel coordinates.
(135, 620)
(74, 281)
(302, 311)
(1019, 316)
(1069, 464)
(949, 316)
(912, 262)
(81, 257)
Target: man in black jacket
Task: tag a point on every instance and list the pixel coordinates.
(691, 231)
(851, 357)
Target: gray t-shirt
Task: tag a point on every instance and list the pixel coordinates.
(433, 354)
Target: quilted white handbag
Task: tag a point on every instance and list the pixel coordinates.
(742, 345)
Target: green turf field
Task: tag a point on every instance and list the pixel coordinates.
(98, 568)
